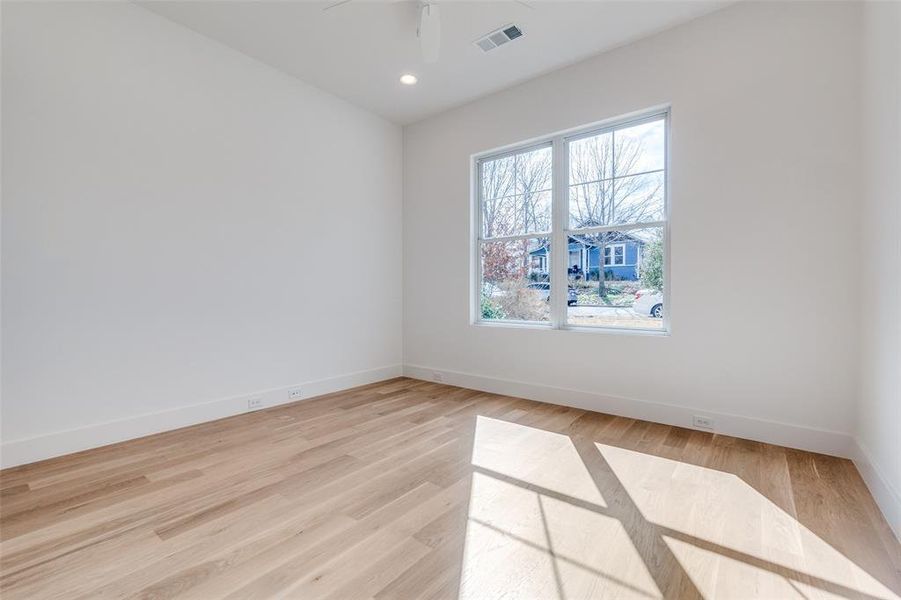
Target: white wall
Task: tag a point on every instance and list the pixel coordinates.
(181, 225)
(765, 307)
(177, 226)
(880, 359)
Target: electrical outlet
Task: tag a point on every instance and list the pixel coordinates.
(254, 403)
(438, 377)
(294, 394)
(702, 422)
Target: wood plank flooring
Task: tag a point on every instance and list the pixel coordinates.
(410, 489)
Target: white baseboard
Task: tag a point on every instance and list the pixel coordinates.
(19, 452)
(773, 432)
(783, 434)
(888, 498)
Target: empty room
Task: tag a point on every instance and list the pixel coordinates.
(445, 299)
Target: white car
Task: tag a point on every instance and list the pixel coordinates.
(648, 303)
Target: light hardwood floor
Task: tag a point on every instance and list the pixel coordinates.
(408, 489)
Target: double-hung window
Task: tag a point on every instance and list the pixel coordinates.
(585, 214)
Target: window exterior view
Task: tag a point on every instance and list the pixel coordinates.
(572, 232)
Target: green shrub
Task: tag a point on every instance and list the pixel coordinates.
(490, 310)
(652, 266)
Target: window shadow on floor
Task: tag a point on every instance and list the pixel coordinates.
(569, 503)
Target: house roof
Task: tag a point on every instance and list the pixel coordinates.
(594, 239)
(607, 237)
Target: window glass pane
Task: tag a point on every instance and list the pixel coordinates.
(500, 216)
(596, 197)
(538, 212)
(533, 171)
(591, 158)
(638, 198)
(639, 148)
(497, 178)
(515, 282)
(590, 204)
(627, 291)
(632, 199)
(516, 194)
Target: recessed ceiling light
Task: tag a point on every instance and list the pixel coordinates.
(408, 79)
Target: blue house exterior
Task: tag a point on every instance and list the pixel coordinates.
(621, 260)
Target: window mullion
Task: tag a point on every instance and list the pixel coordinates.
(559, 223)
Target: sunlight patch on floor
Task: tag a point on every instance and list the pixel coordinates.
(530, 455)
(709, 516)
(718, 576)
(520, 543)
(555, 517)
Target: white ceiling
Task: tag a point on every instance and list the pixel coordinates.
(359, 49)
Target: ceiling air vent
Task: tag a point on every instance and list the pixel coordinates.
(505, 34)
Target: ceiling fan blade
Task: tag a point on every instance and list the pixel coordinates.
(429, 32)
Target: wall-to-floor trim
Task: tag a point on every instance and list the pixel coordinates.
(772, 432)
(887, 498)
(19, 452)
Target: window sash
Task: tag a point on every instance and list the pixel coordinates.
(560, 230)
(514, 152)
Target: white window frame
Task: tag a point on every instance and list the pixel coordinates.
(560, 230)
(612, 262)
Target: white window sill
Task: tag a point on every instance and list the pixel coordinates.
(574, 328)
